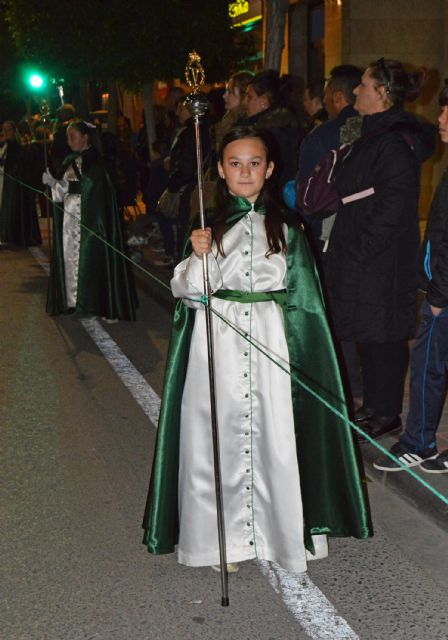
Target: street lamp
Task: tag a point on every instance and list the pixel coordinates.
(36, 81)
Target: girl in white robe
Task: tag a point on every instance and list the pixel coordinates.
(260, 472)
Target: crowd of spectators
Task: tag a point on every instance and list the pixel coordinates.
(368, 248)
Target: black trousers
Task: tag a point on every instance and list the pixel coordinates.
(384, 368)
(352, 368)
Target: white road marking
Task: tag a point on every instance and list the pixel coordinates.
(142, 392)
(41, 258)
(140, 389)
(309, 606)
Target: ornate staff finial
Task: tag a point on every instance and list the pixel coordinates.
(194, 71)
(196, 101)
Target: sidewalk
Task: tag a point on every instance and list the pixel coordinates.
(400, 482)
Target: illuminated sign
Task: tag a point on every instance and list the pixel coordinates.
(238, 8)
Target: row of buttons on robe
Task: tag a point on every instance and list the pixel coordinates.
(247, 450)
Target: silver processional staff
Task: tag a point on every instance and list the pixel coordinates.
(197, 105)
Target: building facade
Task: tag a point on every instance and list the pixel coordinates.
(360, 31)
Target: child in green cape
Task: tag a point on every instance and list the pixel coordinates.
(290, 470)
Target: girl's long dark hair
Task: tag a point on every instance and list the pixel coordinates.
(269, 196)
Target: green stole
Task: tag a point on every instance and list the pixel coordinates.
(334, 495)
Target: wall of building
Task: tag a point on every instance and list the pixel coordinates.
(333, 34)
(359, 31)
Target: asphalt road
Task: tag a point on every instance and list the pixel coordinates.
(76, 450)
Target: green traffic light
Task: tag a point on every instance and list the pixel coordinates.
(36, 81)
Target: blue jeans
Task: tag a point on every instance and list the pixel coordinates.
(429, 363)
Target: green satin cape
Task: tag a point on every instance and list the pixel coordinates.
(334, 495)
(105, 281)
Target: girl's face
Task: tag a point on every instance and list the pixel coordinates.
(255, 103)
(9, 133)
(370, 98)
(77, 141)
(232, 96)
(311, 105)
(443, 124)
(245, 167)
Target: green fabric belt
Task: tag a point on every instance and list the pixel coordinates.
(234, 295)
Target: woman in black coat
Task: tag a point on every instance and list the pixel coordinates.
(372, 258)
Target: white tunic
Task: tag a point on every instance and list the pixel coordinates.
(71, 230)
(261, 484)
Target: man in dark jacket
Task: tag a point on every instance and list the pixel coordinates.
(429, 360)
(338, 100)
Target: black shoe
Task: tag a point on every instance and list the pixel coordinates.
(384, 463)
(379, 426)
(438, 464)
(362, 414)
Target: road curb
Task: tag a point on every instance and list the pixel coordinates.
(408, 488)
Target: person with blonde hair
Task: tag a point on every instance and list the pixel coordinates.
(236, 87)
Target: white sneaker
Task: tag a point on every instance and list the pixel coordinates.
(110, 320)
(320, 542)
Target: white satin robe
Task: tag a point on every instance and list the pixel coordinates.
(71, 230)
(260, 474)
